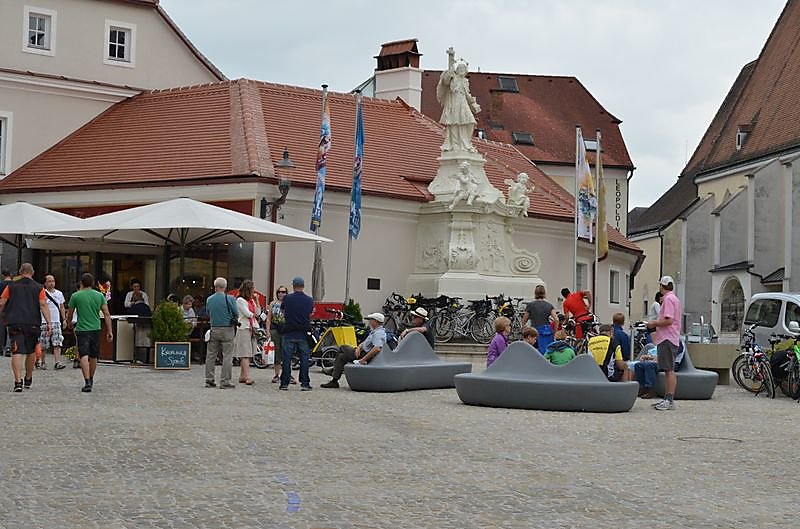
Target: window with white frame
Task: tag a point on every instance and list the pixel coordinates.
(120, 43)
(582, 276)
(5, 134)
(39, 31)
(613, 286)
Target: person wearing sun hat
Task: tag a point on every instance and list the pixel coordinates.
(668, 339)
(363, 353)
(421, 324)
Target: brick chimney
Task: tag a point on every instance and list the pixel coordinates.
(398, 73)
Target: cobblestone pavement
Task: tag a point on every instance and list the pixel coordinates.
(157, 449)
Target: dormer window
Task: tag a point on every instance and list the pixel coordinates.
(508, 84)
(590, 145)
(741, 135)
(481, 133)
(522, 138)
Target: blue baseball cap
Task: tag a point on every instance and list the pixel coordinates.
(298, 282)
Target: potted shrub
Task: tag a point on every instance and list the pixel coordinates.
(169, 325)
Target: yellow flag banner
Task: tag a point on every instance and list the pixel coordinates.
(602, 225)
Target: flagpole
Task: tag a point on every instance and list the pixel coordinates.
(577, 170)
(349, 236)
(597, 218)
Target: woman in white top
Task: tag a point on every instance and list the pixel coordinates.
(656, 308)
(245, 343)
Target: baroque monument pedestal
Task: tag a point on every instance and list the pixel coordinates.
(468, 252)
(464, 244)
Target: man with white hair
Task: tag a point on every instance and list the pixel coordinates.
(362, 354)
(223, 315)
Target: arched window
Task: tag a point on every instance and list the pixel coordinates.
(732, 306)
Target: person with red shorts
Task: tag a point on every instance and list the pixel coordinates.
(25, 304)
(575, 305)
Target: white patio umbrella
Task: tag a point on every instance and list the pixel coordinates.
(21, 220)
(183, 223)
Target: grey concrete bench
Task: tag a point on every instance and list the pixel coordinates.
(693, 383)
(412, 365)
(522, 378)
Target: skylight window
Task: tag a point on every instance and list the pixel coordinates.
(508, 84)
(522, 138)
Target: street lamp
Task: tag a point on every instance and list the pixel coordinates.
(267, 206)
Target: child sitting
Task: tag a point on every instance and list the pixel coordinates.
(559, 352)
(499, 343)
(531, 337)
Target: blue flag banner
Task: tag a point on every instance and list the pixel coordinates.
(322, 161)
(355, 197)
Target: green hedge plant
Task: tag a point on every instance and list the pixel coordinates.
(168, 323)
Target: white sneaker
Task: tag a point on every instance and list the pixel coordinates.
(655, 404)
(665, 405)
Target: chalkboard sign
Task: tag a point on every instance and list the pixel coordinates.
(173, 355)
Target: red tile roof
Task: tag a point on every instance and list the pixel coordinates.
(548, 107)
(236, 131)
(765, 98)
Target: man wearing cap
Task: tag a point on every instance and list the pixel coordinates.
(419, 320)
(297, 308)
(362, 354)
(668, 339)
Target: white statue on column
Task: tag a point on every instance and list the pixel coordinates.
(458, 106)
(467, 186)
(518, 193)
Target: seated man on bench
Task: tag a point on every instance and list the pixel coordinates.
(363, 353)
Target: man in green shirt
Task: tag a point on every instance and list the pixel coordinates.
(89, 303)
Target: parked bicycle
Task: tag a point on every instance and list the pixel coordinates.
(589, 327)
(474, 321)
(751, 369)
(790, 384)
(509, 307)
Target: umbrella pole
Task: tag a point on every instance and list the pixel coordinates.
(182, 270)
(19, 251)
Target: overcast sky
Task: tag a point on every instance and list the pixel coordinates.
(662, 67)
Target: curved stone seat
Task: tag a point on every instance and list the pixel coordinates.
(522, 378)
(693, 383)
(412, 365)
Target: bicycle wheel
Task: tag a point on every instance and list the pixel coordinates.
(516, 329)
(328, 356)
(768, 385)
(443, 327)
(793, 383)
(746, 378)
(259, 360)
(735, 366)
(481, 329)
(390, 323)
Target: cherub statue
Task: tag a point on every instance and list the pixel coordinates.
(518, 193)
(467, 186)
(458, 105)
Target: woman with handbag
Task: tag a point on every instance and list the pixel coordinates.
(245, 343)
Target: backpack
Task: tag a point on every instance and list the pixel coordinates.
(609, 366)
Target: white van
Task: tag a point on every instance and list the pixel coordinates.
(773, 311)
